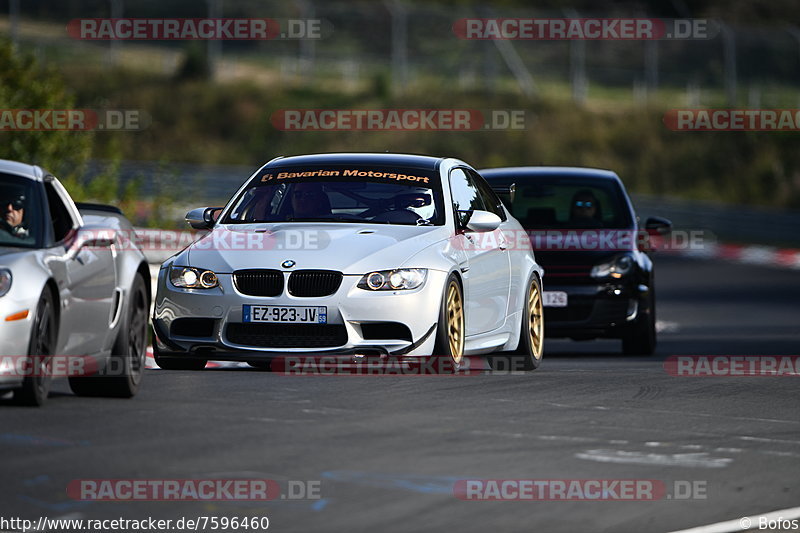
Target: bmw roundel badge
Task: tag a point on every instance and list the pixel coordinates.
(288, 263)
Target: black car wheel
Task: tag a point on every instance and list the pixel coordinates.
(639, 338)
(41, 346)
(123, 372)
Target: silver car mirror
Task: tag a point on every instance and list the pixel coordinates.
(483, 221)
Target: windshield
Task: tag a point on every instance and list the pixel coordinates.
(21, 223)
(563, 202)
(371, 195)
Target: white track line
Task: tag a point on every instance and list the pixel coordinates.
(745, 523)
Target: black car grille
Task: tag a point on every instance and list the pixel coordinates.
(192, 327)
(258, 282)
(287, 335)
(569, 274)
(310, 283)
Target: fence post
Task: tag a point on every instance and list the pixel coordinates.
(13, 15)
(117, 9)
(729, 61)
(399, 14)
(214, 47)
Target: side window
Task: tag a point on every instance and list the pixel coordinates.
(490, 198)
(59, 214)
(466, 196)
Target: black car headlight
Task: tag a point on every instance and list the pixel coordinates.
(192, 278)
(394, 280)
(5, 281)
(616, 268)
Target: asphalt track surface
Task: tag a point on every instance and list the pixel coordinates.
(387, 451)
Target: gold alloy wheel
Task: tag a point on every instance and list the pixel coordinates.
(535, 322)
(455, 322)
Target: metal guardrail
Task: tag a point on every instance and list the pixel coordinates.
(734, 224)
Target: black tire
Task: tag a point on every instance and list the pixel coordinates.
(530, 349)
(450, 331)
(44, 334)
(261, 365)
(166, 362)
(640, 337)
(126, 364)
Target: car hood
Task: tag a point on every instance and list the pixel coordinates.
(349, 248)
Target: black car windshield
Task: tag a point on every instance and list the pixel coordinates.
(564, 202)
(370, 195)
(21, 223)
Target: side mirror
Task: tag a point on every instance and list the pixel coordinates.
(658, 225)
(483, 221)
(203, 217)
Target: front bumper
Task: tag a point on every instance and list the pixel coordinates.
(15, 336)
(348, 310)
(594, 310)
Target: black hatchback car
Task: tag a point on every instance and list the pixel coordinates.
(584, 231)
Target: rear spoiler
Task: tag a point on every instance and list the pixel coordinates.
(86, 206)
(506, 193)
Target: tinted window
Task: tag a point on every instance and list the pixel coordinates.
(59, 214)
(565, 202)
(374, 195)
(466, 196)
(22, 212)
(491, 201)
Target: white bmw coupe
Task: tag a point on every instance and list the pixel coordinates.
(380, 255)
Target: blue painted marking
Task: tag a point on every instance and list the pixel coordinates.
(58, 506)
(38, 480)
(410, 482)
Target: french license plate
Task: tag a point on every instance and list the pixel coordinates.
(285, 314)
(554, 299)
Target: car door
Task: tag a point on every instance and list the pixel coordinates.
(487, 277)
(87, 279)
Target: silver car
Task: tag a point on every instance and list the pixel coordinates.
(74, 291)
(380, 255)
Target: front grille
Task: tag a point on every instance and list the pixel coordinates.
(575, 312)
(385, 330)
(311, 283)
(192, 327)
(287, 335)
(568, 274)
(259, 282)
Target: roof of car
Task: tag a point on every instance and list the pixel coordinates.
(581, 172)
(20, 169)
(362, 159)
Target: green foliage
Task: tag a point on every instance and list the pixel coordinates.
(24, 85)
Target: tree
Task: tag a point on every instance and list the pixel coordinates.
(24, 85)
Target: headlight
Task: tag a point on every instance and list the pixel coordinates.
(616, 268)
(5, 281)
(394, 280)
(192, 278)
